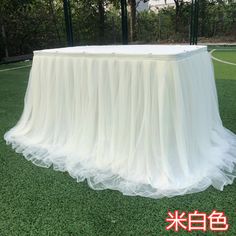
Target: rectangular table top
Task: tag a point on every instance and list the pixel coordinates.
(127, 50)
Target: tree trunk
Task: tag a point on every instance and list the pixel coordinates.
(101, 10)
(177, 9)
(5, 41)
(132, 4)
(54, 19)
(203, 16)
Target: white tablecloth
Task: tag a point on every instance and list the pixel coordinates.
(143, 120)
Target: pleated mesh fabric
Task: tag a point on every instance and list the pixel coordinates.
(145, 126)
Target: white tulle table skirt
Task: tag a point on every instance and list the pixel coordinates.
(143, 120)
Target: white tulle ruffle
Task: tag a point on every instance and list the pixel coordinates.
(143, 126)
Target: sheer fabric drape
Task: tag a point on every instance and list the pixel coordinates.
(147, 126)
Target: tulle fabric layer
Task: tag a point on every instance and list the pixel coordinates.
(144, 127)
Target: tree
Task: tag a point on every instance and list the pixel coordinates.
(51, 5)
(133, 17)
(101, 10)
(178, 7)
(132, 4)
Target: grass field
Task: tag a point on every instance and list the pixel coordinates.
(37, 201)
(226, 55)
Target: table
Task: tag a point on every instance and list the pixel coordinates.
(141, 119)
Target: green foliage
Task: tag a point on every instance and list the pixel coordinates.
(86, 26)
(155, 27)
(217, 18)
(29, 25)
(147, 26)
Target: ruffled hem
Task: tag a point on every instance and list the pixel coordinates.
(218, 176)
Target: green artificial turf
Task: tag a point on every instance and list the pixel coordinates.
(225, 55)
(38, 201)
